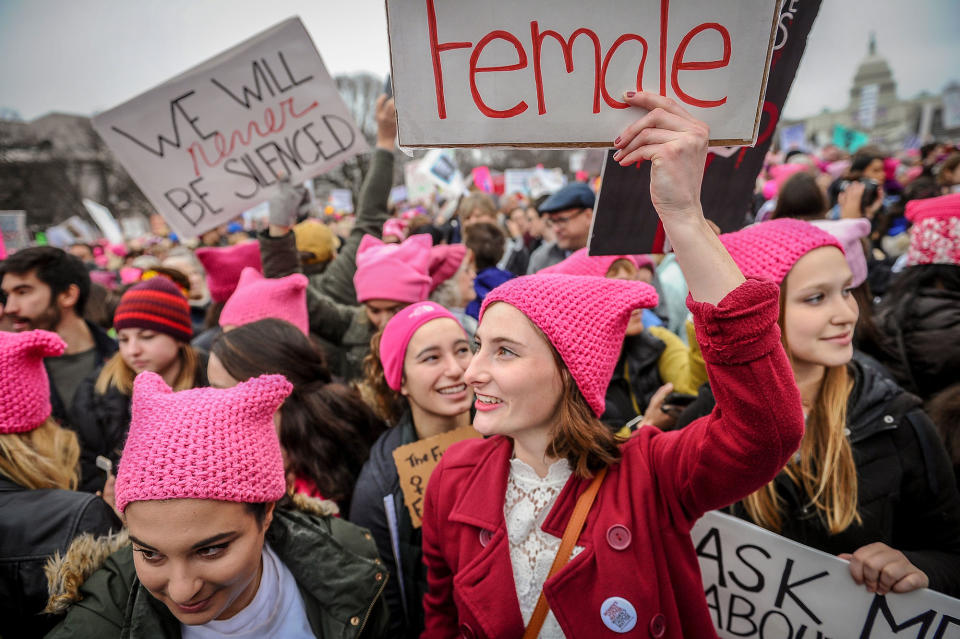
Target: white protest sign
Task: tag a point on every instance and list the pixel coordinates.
(552, 73)
(341, 200)
(420, 188)
(544, 181)
(759, 584)
(440, 167)
(951, 107)
(209, 144)
(105, 220)
(517, 181)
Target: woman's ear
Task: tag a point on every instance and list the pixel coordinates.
(268, 515)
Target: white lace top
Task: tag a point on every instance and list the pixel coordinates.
(528, 502)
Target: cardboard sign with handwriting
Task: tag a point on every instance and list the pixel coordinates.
(212, 142)
(416, 461)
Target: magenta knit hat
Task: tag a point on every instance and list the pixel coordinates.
(258, 297)
(224, 265)
(24, 385)
(585, 318)
(397, 334)
(768, 250)
(580, 263)
(935, 234)
(850, 231)
(203, 443)
(158, 305)
(445, 259)
(396, 272)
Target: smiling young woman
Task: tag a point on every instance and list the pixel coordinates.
(872, 481)
(416, 374)
(213, 554)
(496, 509)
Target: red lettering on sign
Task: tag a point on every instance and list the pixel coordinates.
(435, 50)
(224, 149)
(664, 17)
(680, 65)
(567, 47)
(616, 104)
(474, 70)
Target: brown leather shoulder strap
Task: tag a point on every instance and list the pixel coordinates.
(570, 535)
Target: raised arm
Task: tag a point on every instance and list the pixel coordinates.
(758, 421)
(675, 143)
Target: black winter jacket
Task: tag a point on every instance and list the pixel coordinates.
(922, 345)
(636, 375)
(378, 479)
(907, 496)
(35, 524)
(102, 422)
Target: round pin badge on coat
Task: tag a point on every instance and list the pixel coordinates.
(618, 614)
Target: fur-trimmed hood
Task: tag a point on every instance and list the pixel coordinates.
(86, 554)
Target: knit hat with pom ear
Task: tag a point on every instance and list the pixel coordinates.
(203, 443)
(445, 259)
(24, 385)
(396, 272)
(224, 265)
(935, 234)
(767, 251)
(580, 263)
(258, 297)
(585, 318)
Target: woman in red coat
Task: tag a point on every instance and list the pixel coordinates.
(497, 508)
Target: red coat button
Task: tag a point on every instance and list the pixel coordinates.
(466, 631)
(485, 537)
(658, 626)
(619, 537)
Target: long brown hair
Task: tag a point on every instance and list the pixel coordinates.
(117, 374)
(45, 457)
(326, 430)
(826, 471)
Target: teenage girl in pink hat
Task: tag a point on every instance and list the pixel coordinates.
(415, 377)
(871, 482)
(497, 509)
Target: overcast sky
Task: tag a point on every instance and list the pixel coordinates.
(83, 56)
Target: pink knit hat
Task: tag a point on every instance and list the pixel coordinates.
(224, 265)
(850, 231)
(24, 385)
(445, 259)
(203, 443)
(399, 331)
(768, 250)
(396, 272)
(580, 263)
(585, 318)
(258, 297)
(395, 227)
(935, 234)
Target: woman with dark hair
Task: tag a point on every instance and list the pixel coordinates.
(214, 548)
(801, 197)
(499, 511)
(415, 378)
(325, 428)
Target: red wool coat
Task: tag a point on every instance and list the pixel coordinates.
(636, 540)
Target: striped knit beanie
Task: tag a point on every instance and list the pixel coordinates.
(157, 305)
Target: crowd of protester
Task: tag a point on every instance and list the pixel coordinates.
(198, 439)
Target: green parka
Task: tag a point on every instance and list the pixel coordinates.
(335, 564)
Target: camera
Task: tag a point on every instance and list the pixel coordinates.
(871, 189)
